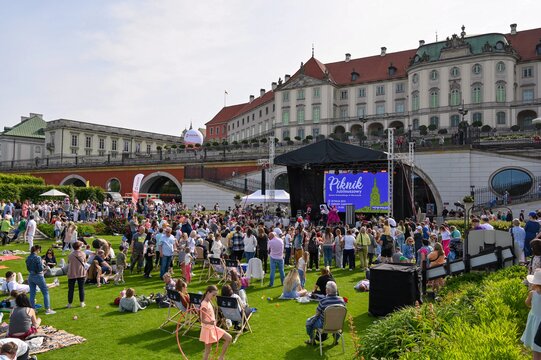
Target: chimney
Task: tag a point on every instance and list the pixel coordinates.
(286, 78)
(421, 42)
(252, 97)
(261, 92)
(513, 29)
(348, 57)
(23, 118)
(274, 86)
(383, 51)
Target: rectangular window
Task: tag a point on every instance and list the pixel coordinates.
(343, 95)
(300, 94)
(361, 111)
(285, 134)
(88, 152)
(217, 130)
(316, 114)
(285, 96)
(211, 131)
(455, 119)
(316, 93)
(52, 138)
(399, 107)
(102, 144)
(300, 133)
(500, 118)
(266, 110)
(260, 128)
(149, 149)
(88, 141)
(114, 145)
(527, 72)
(101, 153)
(415, 102)
(362, 92)
(343, 112)
(380, 109)
(285, 117)
(137, 148)
(300, 114)
(260, 112)
(266, 126)
(74, 140)
(399, 88)
(527, 95)
(380, 90)
(126, 146)
(315, 132)
(73, 151)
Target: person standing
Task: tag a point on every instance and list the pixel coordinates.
(532, 229)
(362, 242)
(76, 273)
(166, 247)
(297, 244)
(287, 245)
(349, 250)
(328, 240)
(30, 232)
(137, 247)
(237, 244)
(338, 252)
(276, 252)
(250, 245)
(518, 234)
(34, 265)
(262, 243)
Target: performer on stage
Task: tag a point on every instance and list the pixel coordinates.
(333, 217)
(308, 212)
(324, 211)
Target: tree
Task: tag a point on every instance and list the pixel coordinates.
(423, 130)
(309, 137)
(298, 138)
(263, 140)
(477, 123)
(486, 128)
(515, 128)
(432, 127)
(442, 131)
(287, 138)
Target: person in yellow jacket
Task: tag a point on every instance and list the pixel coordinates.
(362, 242)
(5, 228)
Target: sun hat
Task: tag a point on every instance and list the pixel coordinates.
(535, 279)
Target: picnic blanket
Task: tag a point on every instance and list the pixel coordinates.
(9, 257)
(52, 339)
(3, 267)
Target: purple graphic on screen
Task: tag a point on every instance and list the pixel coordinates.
(366, 191)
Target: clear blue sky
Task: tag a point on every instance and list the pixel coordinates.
(157, 65)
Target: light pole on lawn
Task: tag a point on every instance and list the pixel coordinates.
(463, 111)
(361, 137)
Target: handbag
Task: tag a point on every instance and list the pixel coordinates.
(85, 264)
(537, 338)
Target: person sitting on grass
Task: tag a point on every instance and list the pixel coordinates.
(321, 283)
(169, 282)
(23, 320)
(316, 321)
(130, 303)
(8, 351)
(292, 286)
(22, 348)
(49, 258)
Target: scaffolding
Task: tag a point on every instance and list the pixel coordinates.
(390, 169)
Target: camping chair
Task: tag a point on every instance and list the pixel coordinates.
(192, 314)
(175, 305)
(231, 309)
(199, 255)
(334, 317)
(216, 270)
(255, 269)
(233, 264)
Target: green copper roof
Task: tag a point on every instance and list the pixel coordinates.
(487, 43)
(32, 127)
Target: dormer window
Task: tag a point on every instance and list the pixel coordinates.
(538, 48)
(354, 75)
(392, 70)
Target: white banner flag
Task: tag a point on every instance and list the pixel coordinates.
(136, 185)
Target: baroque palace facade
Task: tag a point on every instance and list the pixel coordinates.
(494, 76)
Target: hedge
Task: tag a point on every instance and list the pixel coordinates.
(498, 225)
(83, 229)
(479, 316)
(33, 192)
(20, 179)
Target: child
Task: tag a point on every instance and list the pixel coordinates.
(301, 267)
(120, 265)
(210, 333)
(129, 303)
(534, 317)
(408, 250)
(149, 259)
(187, 267)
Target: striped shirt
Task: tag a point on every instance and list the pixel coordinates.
(328, 301)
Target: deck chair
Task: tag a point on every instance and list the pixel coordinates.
(199, 256)
(192, 314)
(216, 270)
(233, 264)
(174, 310)
(334, 317)
(255, 270)
(231, 309)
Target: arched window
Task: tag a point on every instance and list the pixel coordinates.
(454, 99)
(415, 101)
(415, 124)
(477, 93)
(476, 69)
(435, 121)
(500, 118)
(434, 98)
(477, 117)
(500, 92)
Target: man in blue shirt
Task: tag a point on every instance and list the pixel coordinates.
(166, 247)
(316, 321)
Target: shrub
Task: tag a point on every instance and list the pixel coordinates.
(515, 128)
(47, 229)
(423, 130)
(20, 179)
(9, 192)
(115, 225)
(263, 140)
(486, 128)
(100, 228)
(442, 131)
(477, 123)
(298, 138)
(287, 138)
(85, 230)
(432, 127)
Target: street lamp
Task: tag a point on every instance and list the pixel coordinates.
(410, 128)
(361, 137)
(463, 111)
(472, 187)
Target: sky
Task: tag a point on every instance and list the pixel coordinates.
(159, 65)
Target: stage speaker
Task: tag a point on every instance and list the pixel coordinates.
(393, 286)
(350, 214)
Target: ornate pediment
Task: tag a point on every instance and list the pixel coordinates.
(301, 81)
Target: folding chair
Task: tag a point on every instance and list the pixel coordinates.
(200, 256)
(192, 314)
(216, 270)
(231, 309)
(234, 264)
(175, 304)
(334, 317)
(255, 269)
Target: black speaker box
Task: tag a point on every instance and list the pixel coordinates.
(393, 286)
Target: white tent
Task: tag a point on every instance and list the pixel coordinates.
(53, 192)
(272, 196)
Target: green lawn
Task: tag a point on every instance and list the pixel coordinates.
(278, 326)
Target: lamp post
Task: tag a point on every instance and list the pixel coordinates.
(410, 128)
(463, 111)
(472, 193)
(361, 137)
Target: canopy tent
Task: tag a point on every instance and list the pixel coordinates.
(306, 167)
(54, 192)
(271, 196)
